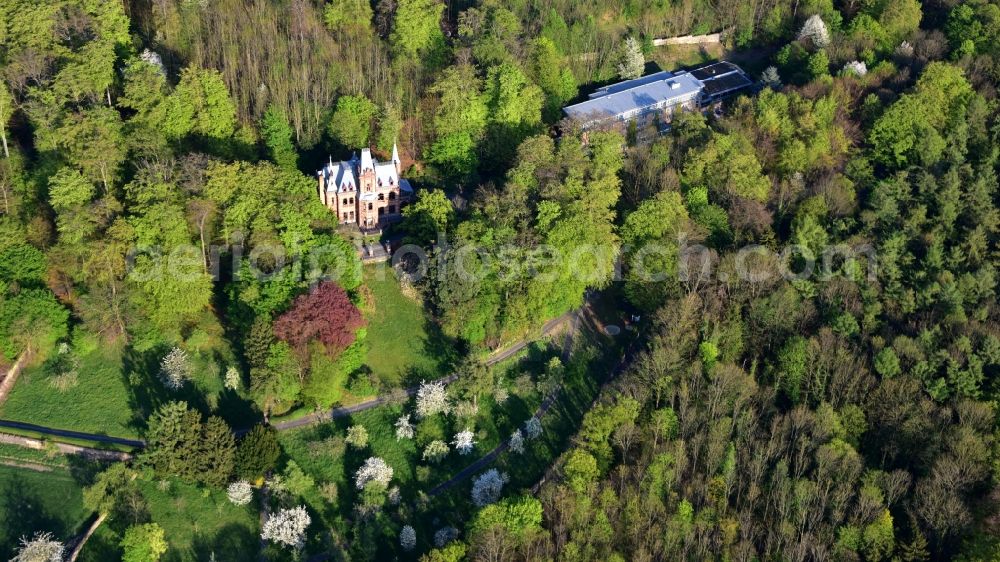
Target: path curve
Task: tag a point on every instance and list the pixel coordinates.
(488, 458)
(478, 465)
(331, 414)
(344, 411)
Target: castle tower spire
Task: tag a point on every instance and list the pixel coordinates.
(395, 158)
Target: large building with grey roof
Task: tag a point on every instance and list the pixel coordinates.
(364, 191)
(653, 99)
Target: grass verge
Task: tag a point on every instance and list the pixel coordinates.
(404, 344)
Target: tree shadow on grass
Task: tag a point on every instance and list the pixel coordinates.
(146, 391)
(101, 546)
(445, 352)
(511, 415)
(234, 542)
(24, 515)
(237, 411)
(538, 356)
(84, 470)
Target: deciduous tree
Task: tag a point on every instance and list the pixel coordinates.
(325, 315)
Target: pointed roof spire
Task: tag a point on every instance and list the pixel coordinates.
(395, 154)
(366, 160)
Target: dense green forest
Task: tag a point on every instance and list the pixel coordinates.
(813, 374)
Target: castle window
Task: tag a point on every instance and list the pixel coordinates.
(381, 196)
(345, 216)
(369, 206)
(392, 196)
(345, 200)
(352, 215)
(352, 200)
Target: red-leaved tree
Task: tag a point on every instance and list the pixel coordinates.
(325, 314)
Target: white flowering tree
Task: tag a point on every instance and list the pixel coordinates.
(464, 442)
(232, 379)
(516, 443)
(240, 492)
(175, 369)
(43, 547)
(487, 486)
(816, 32)
(500, 394)
(858, 68)
(153, 58)
(445, 535)
(432, 398)
(376, 470)
(631, 62)
(287, 527)
(770, 77)
(357, 436)
(435, 451)
(533, 428)
(404, 430)
(407, 538)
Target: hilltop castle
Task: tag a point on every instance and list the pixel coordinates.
(364, 191)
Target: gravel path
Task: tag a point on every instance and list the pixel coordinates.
(327, 415)
(488, 458)
(344, 411)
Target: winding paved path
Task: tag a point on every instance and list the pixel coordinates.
(327, 415)
(488, 458)
(72, 434)
(344, 411)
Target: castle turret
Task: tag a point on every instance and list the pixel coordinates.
(395, 159)
(366, 171)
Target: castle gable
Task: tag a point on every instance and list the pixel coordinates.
(339, 177)
(385, 175)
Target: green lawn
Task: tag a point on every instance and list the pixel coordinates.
(199, 522)
(319, 449)
(99, 402)
(404, 345)
(337, 465)
(38, 501)
(309, 448)
(116, 388)
(594, 357)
